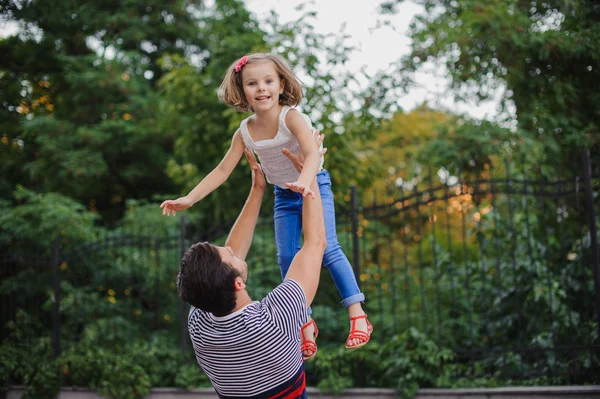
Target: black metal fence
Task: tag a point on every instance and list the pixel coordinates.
(500, 265)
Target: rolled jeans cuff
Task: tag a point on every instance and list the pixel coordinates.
(351, 300)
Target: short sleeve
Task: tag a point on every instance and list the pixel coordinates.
(195, 325)
(308, 121)
(287, 307)
(246, 134)
(283, 115)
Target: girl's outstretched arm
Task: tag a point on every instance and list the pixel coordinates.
(212, 181)
(310, 151)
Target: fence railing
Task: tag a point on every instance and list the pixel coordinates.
(500, 266)
(487, 266)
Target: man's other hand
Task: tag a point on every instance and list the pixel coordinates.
(298, 160)
(258, 179)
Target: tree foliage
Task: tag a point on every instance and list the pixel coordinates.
(543, 56)
(81, 100)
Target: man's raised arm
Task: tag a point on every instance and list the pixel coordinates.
(306, 266)
(240, 237)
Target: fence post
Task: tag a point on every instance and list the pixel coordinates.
(589, 201)
(354, 221)
(56, 306)
(183, 309)
(356, 264)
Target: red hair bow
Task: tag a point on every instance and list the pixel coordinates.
(241, 63)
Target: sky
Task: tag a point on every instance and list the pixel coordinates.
(378, 48)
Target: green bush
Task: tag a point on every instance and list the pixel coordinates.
(114, 375)
(120, 372)
(130, 371)
(27, 359)
(405, 362)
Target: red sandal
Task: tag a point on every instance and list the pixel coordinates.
(354, 333)
(308, 344)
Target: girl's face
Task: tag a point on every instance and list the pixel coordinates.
(262, 85)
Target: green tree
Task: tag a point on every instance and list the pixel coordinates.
(545, 56)
(80, 97)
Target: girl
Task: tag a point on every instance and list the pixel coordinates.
(264, 84)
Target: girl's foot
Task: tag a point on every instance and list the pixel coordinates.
(309, 333)
(360, 328)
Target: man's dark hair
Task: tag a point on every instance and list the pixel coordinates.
(205, 281)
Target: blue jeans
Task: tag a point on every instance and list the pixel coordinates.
(288, 231)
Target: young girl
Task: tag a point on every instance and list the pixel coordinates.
(264, 84)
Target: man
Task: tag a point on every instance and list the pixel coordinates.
(251, 349)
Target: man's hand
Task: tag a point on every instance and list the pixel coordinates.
(298, 160)
(258, 179)
(175, 205)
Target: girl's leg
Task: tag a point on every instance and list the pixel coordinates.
(336, 261)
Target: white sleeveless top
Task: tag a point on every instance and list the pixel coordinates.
(276, 166)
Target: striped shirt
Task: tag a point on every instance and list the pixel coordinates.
(255, 351)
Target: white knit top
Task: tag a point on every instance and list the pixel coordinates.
(276, 166)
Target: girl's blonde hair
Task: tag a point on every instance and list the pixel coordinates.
(231, 90)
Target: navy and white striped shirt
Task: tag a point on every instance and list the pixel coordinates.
(255, 351)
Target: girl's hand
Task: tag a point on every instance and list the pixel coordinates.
(175, 205)
(298, 161)
(300, 188)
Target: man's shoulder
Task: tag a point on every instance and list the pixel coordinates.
(287, 302)
(195, 315)
(288, 288)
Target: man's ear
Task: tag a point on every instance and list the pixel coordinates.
(239, 284)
